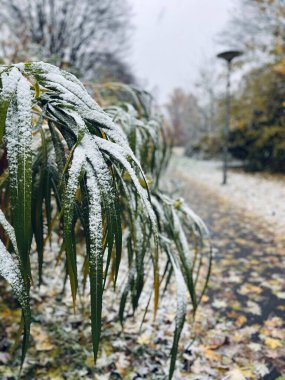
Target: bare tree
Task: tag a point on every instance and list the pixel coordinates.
(82, 34)
(257, 26)
(207, 88)
(185, 117)
(111, 67)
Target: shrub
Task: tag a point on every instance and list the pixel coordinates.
(261, 148)
(207, 148)
(70, 163)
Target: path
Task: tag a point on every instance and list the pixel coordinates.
(239, 331)
(241, 323)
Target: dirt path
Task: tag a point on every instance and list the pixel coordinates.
(246, 297)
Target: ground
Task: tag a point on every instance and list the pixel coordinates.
(239, 330)
(241, 324)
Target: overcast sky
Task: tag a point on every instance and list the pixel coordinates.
(173, 39)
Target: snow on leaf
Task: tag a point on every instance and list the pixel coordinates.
(95, 255)
(19, 154)
(71, 90)
(11, 272)
(9, 230)
(118, 153)
(9, 85)
(74, 172)
(180, 310)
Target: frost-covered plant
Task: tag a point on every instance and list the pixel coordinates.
(182, 235)
(69, 162)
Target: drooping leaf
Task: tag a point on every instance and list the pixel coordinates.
(12, 274)
(19, 141)
(95, 255)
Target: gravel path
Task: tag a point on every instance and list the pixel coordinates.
(261, 194)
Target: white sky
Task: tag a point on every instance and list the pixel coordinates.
(173, 39)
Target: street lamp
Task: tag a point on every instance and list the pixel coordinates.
(228, 56)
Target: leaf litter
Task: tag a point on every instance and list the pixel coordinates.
(238, 332)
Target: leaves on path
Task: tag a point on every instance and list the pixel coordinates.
(238, 332)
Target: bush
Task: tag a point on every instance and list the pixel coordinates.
(72, 174)
(208, 147)
(261, 148)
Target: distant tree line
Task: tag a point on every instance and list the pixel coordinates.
(89, 37)
(257, 131)
(185, 116)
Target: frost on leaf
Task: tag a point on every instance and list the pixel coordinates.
(10, 271)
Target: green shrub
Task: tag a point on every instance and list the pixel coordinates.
(208, 147)
(261, 148)
(70, 163)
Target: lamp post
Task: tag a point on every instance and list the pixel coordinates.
(228, 56)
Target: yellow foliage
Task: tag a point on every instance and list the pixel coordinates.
(280, 67)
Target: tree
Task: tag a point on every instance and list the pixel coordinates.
(206, 92)
(82, 36)
(73, 174)
(258, 27)
(258, 131)
(185, 117)
(113, 69)
(257, 136)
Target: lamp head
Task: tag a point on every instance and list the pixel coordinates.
(229, 55)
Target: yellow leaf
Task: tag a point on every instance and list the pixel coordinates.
(241, 320)
(249, 288)
(90, 361)
(42, 339)
(239, 374)
(212, 355)
(273, 343)
(205, 298)
(54, 373)
(144, 339)
(274, 322)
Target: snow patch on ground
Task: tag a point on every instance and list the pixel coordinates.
(262, 195)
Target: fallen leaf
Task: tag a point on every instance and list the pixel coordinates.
(210, 354)
(255, 346)
(42, 339)
(253, 308)
(239, 374)
(235, 374)
(261, 369)
(219, 304)
(250, 288)
(273, 343)
(280, 295)
(241, 320)
(144, 339)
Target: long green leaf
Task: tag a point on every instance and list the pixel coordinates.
(19, 147)
(180, 311)
(74, 173)
(95, 255)
(9, 82)
(12, 273)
